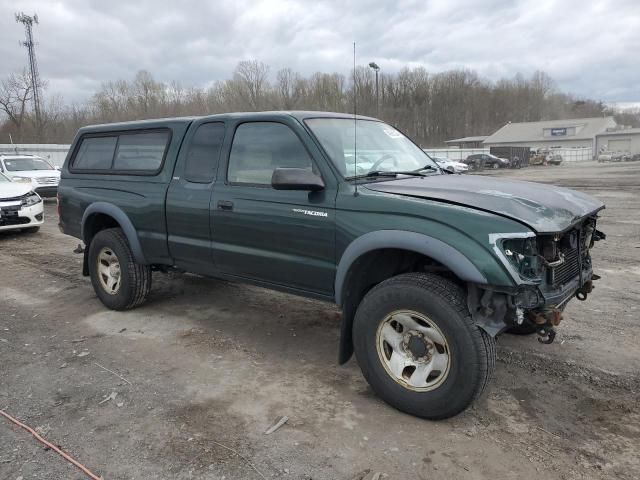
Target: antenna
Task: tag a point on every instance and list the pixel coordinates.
(28, 22)
(355, 126)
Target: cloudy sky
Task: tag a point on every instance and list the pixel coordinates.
(590, 47)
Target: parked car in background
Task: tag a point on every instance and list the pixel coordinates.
(544, 156)
(20, 206)
(554, 158)
(32, 170)
(451, 165)
(485, 160)
(608, 156)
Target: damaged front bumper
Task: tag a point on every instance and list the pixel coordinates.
(549, 271)
(495, 310)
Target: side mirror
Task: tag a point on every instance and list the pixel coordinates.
(57, 167)
(296, 179)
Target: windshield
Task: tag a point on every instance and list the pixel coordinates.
(22, 164)
(380, 147)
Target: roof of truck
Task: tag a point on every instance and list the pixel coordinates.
(157, 122)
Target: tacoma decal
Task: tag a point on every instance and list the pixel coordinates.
(313, 213)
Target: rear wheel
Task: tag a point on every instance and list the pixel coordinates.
(418, 347)
(117, 279)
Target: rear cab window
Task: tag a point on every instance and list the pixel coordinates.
(203, 153)
(131, 152)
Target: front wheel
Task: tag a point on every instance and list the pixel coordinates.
(117, 279)
(419, 348)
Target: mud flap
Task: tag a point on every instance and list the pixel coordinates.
(85, 262)
(488, 309)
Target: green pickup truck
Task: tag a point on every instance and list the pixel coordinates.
(427, 266)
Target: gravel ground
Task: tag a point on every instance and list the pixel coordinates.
(205, 367)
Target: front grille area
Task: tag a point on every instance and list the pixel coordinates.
(569, 269)
(47, 181)
(571, 246)
(9, 216)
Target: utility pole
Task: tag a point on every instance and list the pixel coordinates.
(28, 22)
(376, 68)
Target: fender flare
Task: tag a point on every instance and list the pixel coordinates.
(398, 239)
(123, 220)
(404, 240)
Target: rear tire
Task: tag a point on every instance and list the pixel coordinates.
(421, 299)
(117, 279)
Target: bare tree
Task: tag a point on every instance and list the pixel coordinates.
(251, 76)
(430, 107)
(290, 88)
(15, 94)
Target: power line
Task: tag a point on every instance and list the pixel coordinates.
(28, 22)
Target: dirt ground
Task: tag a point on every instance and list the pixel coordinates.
(205, 367)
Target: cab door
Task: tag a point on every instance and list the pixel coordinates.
(273, 236)
(189, 198)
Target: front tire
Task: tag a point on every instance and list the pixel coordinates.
(419, 348)
(117, 279)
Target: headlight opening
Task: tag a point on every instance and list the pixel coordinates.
(31, 199)
(522, 254)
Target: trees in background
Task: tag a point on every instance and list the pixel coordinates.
(430, 107)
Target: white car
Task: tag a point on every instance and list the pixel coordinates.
(20, 206)
(35, 171)
(451, 165)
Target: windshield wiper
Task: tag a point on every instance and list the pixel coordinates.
(428, 167)
(387, 173)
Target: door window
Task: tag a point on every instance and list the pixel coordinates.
(259, 148)
(201, 164)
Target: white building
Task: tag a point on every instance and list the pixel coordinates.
(571, 133)
(622, 140)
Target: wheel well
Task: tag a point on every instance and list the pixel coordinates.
(372, 268)
(95, 223)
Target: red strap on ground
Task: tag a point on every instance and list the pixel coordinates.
(50, 445)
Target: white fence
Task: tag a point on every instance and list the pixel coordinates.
(575, 154)
(52, 152)
(454, 153)
(578, 154)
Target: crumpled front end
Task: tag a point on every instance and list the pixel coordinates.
(548, 269)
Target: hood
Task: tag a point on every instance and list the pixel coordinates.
(12, 190)
(544, 208)
(35, 173)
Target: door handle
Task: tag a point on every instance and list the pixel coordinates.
(225, 205)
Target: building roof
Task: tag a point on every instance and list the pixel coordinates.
(622, 131)
(582, 129)
(479, 138)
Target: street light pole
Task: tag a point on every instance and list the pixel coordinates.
(376, 68)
